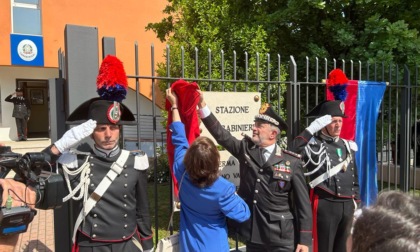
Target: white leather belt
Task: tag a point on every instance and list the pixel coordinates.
(331, 172)
(116, 169)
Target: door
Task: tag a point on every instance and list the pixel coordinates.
(36, 92)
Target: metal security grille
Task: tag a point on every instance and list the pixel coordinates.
(293, 86)
(297, 85)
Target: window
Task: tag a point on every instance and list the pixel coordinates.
(26, 17)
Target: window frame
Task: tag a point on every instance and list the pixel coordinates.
(16, 3)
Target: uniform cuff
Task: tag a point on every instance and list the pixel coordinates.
(305, 238)
(204, 112)
(147, 244)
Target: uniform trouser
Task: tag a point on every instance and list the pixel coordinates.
(254, 247)
(334, 220)
(132, 245)
(21, 125)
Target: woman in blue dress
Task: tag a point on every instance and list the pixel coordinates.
(206, 198)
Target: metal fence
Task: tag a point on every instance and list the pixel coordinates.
(296, 86)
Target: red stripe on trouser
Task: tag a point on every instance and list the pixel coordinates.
(314, 203)
(75, 247)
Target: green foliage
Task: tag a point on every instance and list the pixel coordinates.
(163, 172)
(205, 38)
(375, 31)
(206, 28)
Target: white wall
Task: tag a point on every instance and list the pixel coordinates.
(8, 76)
(145, 104)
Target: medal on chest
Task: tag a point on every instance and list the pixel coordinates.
(282, 183)
(282, 171)
(339, 154)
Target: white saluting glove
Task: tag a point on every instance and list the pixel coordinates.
(148, 250)
(319, 123)
(75, 135)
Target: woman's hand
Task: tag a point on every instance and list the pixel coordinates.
(172, 97)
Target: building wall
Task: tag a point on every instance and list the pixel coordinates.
(123, 20)
(8, 76)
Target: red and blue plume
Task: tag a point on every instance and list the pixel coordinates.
(111, 82)
(338, 83)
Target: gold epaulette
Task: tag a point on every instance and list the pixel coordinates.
(291, 153)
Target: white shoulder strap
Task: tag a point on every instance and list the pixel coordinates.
(116, 169)
(332, 172)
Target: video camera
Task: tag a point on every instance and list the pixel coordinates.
(32, 169)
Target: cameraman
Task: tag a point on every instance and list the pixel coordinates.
(8, 243)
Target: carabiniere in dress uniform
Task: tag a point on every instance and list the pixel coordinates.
(332, 175)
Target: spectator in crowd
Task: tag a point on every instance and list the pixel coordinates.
(391, 224)
(206, 197)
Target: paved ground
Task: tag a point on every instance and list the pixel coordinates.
(40, 234)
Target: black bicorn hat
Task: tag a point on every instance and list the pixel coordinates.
(108, 108)
(19, 89)
(268, 114)
(103, 112)
(332, 108)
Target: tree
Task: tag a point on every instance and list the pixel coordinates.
(213, 29)
(381, 30)
(374, 31)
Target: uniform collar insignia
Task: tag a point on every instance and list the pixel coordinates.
(328, 138)
(278, 151)
(106, 153)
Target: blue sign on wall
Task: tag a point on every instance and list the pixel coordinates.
(27, 50)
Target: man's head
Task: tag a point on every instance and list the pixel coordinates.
(264, 134)
(267, 126)
(109, 117)
(334, 128)
(106, 136)
(334, 108)
(19, 91)
(106, 112)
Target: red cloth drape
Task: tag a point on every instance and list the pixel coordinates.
(188, 98)
(348, 130)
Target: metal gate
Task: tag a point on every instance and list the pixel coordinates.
(293, 87)
(296, 86)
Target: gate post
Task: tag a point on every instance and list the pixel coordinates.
(293, 102)
(405, 133)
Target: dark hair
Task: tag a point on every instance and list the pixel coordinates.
(202, 162)
(392, 224)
